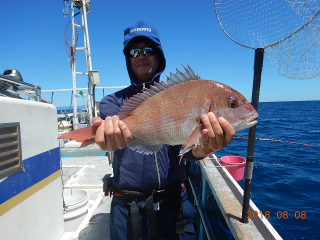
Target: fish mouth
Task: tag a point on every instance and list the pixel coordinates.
(250, 120)
(250, 117)
(251, 124)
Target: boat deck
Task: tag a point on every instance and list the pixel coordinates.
(86, 172)
(85, 168)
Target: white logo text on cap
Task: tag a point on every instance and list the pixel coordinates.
(140, 29)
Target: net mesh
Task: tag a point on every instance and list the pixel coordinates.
(287, 30)
(70, 48)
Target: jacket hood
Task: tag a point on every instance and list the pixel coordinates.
(150, 31)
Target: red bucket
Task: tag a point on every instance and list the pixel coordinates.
(236, 166)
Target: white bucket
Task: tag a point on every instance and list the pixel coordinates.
(77, 204)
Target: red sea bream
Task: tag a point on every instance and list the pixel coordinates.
(169, 112)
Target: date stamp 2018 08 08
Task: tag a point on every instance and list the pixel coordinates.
(279, 215)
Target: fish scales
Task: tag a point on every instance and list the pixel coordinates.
(170, 116)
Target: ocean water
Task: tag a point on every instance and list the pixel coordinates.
(294, 185)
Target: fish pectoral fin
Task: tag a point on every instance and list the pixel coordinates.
(187, 150)
(192, 140)
(143, 148)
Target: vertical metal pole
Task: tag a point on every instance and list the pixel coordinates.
(38, 93)
(74, 82)
(71, 100)
(203, 202)
(258, 64)
(88, 54)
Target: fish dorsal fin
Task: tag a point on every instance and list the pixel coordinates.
(174, 79)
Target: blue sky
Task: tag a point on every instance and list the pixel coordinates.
(32, 41)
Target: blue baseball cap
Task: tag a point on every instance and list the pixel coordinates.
(142, 29)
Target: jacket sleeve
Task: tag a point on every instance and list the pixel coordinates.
(109, 106)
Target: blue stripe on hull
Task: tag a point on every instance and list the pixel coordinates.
(36, 169)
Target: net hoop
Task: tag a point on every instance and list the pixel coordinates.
(269, 45)
(66, 33)
(69, 47)
(217, 15)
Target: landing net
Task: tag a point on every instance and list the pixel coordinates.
(288, 31)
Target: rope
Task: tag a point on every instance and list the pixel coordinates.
(64, 205)
(274, 140)
(60, 123)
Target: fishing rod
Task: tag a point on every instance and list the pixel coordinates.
(274, 140)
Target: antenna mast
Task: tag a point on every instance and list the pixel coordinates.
(93, 77)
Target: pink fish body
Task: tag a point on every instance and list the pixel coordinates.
(169, 112)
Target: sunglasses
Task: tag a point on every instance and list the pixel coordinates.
(147, 51)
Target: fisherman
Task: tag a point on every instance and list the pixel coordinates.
(149, 197)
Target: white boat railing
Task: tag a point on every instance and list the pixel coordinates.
(66, 90)
(11, 87)
(78, 89)
(68, 115)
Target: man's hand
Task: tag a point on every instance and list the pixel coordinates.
(112, 133)
(215, 135)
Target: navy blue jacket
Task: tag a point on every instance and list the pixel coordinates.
(135, 171)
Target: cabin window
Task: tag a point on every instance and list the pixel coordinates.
(10, 149)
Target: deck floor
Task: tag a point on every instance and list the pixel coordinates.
(86, 173)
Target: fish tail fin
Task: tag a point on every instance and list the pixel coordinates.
(192, 140)
(84, 135)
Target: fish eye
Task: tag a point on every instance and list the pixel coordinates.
(233, 103)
